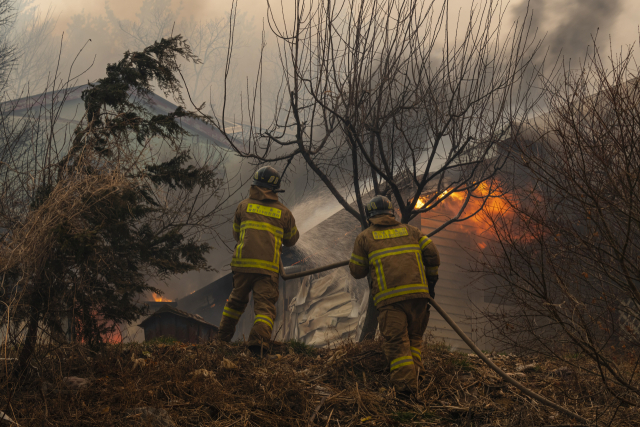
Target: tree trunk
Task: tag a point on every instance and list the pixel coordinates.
(30, 341)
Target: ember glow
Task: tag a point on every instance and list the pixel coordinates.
(158, 298)
(113, 335)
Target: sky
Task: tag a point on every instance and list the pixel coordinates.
(568, 18)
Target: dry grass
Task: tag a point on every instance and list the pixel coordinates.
(347, 386)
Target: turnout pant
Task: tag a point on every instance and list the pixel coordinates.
(402, 324)
(265, 296)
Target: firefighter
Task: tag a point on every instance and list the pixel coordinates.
(260, 227)
(404, 269)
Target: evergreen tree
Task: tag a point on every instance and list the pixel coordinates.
(114, 195)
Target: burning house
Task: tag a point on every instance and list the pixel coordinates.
(330, 307)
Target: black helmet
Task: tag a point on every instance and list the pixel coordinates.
(267, 177)
(379, 205)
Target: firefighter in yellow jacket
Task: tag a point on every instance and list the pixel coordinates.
(404, 269)
(261, 226)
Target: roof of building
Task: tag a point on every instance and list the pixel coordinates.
(172, 310)
(72, 112)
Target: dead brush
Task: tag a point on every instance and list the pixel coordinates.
(30, 243)
(344, 386)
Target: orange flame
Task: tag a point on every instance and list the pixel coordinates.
(495, 203)
(422, 200)
(159, 298)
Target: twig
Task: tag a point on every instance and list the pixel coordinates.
(313, 416)
(46, 409)
(330, 413)
(336, 395)
(455, 408)
(359, 399)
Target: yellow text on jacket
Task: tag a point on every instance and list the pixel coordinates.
(390, 234)
(264, 210)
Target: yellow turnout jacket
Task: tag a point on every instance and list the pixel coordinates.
(399, 257)
(261, 226)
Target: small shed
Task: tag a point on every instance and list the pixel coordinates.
(168, 321)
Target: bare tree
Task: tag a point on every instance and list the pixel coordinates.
(7, 50)
(566, 261)
(392, 98)
(36, 49)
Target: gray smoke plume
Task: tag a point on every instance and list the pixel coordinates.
(575, 23)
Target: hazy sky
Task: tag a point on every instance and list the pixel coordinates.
(620, 18)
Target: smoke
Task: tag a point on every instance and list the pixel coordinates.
(569, 27)
(88, 38)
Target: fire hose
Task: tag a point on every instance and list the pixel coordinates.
(461, 334)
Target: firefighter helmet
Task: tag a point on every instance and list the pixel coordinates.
(379, 205)
(267, 177)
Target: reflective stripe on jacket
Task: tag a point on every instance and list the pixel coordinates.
(399, 258)
(261, 226)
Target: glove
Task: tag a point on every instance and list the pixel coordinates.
(432, 280)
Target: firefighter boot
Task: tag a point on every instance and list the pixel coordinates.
(227, 328)
(258, 350)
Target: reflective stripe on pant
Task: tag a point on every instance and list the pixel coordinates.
(402, 324)
(265, 296)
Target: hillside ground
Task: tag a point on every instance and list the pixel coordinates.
(217, 384)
